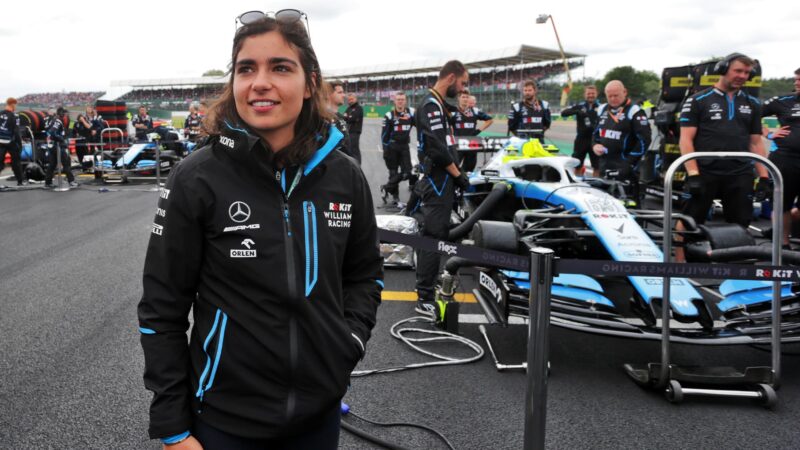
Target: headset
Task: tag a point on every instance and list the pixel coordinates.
(722, 66)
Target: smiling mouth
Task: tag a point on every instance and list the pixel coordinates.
(263, 103)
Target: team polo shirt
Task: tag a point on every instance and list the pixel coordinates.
(724, 124)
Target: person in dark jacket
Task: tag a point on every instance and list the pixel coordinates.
(465, 123)
(143, 124)
(334, 91)
(193, 125)
(354, 116)
(585, 114)
(11, 140)
(621, 138)
(395, 139)
(267, 235)
(55, 131)
(529, 118)
(786, 108)
(435, 193)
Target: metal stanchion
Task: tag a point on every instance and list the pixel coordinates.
(158, 166)
(777, 240)
(541, 278)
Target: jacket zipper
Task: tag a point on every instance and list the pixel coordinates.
(292, 285)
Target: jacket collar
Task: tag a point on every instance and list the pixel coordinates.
(240, 140)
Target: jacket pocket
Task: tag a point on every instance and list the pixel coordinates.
(310, 229)
(206, 380)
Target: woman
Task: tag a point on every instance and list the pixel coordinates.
(268, 236)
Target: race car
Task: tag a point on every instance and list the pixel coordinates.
(137, 161)
(542, 204)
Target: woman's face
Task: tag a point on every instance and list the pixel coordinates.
(269, 87)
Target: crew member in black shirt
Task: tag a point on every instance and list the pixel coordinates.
(10, 139)
(787, 154)
(529, 118)
(465, 123)
(585, 114)
(354, 116)
(722, 118)
(395, 137)
(621, 138)
(143, 124)
(438, 158)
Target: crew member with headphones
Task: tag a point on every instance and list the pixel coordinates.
(723, 118)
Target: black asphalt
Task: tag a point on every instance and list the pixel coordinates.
(71, 364)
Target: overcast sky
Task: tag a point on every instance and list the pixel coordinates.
(82, 45)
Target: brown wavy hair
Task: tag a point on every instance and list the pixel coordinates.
(313, 119)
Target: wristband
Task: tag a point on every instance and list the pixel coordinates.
(692, 173)
(177, 439)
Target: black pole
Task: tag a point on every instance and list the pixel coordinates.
(541, 278)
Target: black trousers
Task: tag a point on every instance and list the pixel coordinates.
(355, 150)
(437, 195)
(52, 162)
(393, 157)
(324, 436)
(468, 162)
(736, 193)
(16, 165)
(583, 147)
(789, 167)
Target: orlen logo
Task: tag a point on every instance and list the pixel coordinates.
(450, 249)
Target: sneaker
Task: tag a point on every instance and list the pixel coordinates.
(384, 194)
(73, 184)
(426, 308)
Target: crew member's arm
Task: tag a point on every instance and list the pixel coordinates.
(386, 130)
(513, 121)
(569, 111)
(756, 143)
(487, 120)
(689, 121)
(84, 122)
(597, 146)
(432, 129)
(171, 274)
(546, 117)
(362, 271)
(641, 130)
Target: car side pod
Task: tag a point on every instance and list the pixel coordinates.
(714, 381)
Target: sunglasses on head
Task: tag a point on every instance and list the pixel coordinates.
(284, 16)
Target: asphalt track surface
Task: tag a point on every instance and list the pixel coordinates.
(71, 364)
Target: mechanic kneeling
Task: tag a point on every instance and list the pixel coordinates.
(621, 138)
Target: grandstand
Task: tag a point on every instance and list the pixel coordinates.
(495, 80)
(53, 99)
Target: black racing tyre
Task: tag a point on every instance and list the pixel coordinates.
(494, 235)
(727, 236)
(768, 396)
(674, 392)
